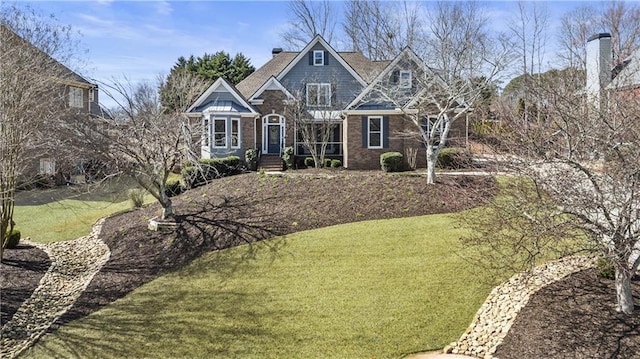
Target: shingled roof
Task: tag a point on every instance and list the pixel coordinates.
(364, 67)
(628, 75)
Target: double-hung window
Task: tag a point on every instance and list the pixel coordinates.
(318, 58)
(235, 133)
(374, 129)
(319, 94)
(428, 124)
(226, 132)
(405, 79)
(75, 97)
(219, 132)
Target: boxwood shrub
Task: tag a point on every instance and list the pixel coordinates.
(13, 239)
(251, 158)
(391, 162)
(287, 157)
(309, 162)
(453, 158)
(209, 169)
(336, 163)
(173, 187)
(327, 162)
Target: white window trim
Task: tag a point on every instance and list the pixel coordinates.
(213, 132)
(369, 132)
(76, 100)
(92, 96)
(321, 58)
(206, 132)
(239, 145)
(47, 166)
(405, 85)
(319, 86)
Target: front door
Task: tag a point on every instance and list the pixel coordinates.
(273, 139)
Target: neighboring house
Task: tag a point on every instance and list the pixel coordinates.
(70, 95)
(602, 76)
(339, 87)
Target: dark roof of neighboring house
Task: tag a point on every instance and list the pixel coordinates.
(627, 74)
(61, 70)
(364, 67)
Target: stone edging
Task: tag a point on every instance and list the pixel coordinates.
(73, 266)
(498, 313)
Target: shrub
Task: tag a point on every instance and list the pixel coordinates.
(453, 158)
(391, 161)
(336, 163)
(13, 239)
(205, 170)
(136, 196)
(173, 187)
(287, 157)
(605, 268)
(327, 162)
(309, 162)
(251, 159)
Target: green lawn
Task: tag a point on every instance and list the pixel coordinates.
(377, 289)
(65, 213)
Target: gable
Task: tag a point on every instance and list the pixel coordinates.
(402, 92)
(221, 97)
(271, 85)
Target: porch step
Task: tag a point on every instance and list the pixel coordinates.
(270, 163)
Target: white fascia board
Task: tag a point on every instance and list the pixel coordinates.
(270, 84)
(215, 86)
(303, 53)
(379, 112)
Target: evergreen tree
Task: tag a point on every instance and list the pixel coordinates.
(208, 67)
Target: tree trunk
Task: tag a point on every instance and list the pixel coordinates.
(167, 207)
(432, 157)
(623, 291)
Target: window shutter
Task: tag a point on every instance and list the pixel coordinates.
(385, 132)
(326, 58)
(310, 58)
(395, 75)
(365, 128)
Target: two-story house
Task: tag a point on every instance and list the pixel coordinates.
(341, 87)
(59, 92)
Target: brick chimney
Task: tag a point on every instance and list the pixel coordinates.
(598, 64)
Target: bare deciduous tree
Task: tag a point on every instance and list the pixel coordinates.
(619, 18)
(308, 19)
(140, 137)
(315, 115)
(467, 60)
(580, 165)
(32, 97)
(380, 30)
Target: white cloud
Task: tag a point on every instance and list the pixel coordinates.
(164, 8)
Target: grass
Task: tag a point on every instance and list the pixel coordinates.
(375, 289)
(65, 213)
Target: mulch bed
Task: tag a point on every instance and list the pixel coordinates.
(247, 208)
(20, 272)
(575, 318)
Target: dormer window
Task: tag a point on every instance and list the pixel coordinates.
(318, 58)
(405, 79)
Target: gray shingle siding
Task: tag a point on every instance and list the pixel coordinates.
(345, 86)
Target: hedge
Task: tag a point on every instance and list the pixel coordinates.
(391, 162)
(209, 169)
(453, 158)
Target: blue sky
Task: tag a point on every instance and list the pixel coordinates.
(141, 39)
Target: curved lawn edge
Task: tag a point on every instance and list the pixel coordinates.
(366, 289)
